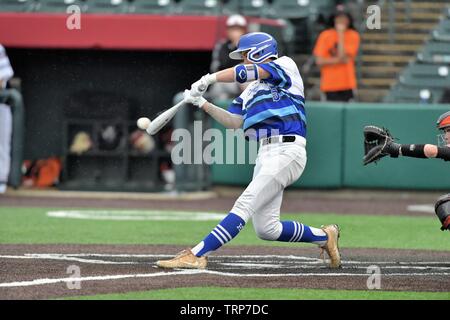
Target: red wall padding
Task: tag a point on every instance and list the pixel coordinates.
(113, 31)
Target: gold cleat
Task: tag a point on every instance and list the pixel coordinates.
(185, 260)
(332, 247)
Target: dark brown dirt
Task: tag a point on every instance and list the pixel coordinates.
(291, 203)
(232, 266)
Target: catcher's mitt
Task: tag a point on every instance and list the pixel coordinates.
(377, 142)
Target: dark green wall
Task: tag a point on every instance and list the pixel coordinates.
(324, 149)
(335, 149)
(53, 79)
(410, 124)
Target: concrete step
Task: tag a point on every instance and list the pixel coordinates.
(421, 5)
(386, 47)
(413, 16)
(369, 36)
(363, 83)
(375, 70)
(377, 82)
(387, 58)
(410, 26)
(371, 95)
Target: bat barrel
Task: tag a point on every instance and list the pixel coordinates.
(160, 121)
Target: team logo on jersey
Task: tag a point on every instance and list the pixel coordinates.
(275, 94)
(242, 75)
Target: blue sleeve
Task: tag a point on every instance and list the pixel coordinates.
(278, 76)
(235, 106)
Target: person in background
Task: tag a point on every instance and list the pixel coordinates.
(6, 73)
(236, 27)
(335, 52)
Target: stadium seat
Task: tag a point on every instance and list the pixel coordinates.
(199, 7)
(56, 5)
(107, 6)
(290, 8)
(435, 52)
(152, 6)
(322, 6)
(426, 75)
(230, 7)
(442, 32)
(256, 8)
(16, 5)
(411, 94)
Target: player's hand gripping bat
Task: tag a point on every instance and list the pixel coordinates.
(161, 120)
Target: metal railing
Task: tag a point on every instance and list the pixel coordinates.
(13, 98)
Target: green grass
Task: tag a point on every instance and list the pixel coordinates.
(217, 293)
(32, 226)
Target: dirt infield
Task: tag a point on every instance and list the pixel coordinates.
(41, 271)
(293, 202)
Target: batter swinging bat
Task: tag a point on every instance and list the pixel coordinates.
(161, 120)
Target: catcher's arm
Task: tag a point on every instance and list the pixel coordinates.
(379, 143)
(424, 151)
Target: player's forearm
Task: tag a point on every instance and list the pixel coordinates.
(226, 118)
(424, 151)
(226, 75)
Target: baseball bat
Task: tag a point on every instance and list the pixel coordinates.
(160, 121)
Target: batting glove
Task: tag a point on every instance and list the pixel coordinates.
(198, 101)
(199, 87)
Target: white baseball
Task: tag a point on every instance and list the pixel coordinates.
(143, 123)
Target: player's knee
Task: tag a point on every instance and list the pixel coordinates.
(243, 207)
(268, 231)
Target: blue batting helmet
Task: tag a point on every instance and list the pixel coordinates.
(259, 45)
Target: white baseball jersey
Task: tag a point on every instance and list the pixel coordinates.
(6, 73)
(277, 104)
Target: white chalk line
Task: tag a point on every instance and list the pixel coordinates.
(239, 259)
(136, 215)
(45, 281)
(311, 264)
(65, 258)
(280, 266)
(428, 208)
(230, 274)
(242, 263)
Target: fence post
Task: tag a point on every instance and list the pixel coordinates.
(391, 28)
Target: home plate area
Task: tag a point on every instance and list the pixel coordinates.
(44, 274)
